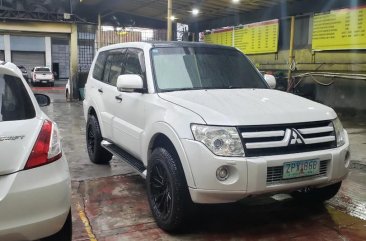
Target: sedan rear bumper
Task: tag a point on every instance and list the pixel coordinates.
(34, 203)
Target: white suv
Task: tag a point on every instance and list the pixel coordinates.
(35, 189)
(201, 124)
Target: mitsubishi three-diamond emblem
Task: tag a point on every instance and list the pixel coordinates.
(295, 137)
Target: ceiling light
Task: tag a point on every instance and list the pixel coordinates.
(195, 11)
(236, 1)
(173, 18)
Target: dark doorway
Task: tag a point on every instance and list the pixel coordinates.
(56, 70)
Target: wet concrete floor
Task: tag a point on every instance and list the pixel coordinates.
(109, 201)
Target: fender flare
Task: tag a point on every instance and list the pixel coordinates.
(95, 107)
(165, 129)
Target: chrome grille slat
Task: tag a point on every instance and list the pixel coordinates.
(315, 130)
(263, 134)
(319, 139)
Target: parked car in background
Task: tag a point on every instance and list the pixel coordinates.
(35, 190)
(42, 76)
(24, 72)
(202, 125)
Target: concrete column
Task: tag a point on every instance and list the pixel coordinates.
(74, 60)
(169, 20)
(48, 48)
(7, 48)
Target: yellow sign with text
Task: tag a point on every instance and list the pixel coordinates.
(220, 37)
(255, 38)
(340, 29)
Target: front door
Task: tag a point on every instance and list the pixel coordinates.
(129, 111)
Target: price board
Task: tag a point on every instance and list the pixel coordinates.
(221, 37)
(257, 38)
(340, 30)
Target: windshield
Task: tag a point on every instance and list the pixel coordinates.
(186, 68)
(42, 70)
(15, 103)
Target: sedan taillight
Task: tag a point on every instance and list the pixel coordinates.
(47, 148)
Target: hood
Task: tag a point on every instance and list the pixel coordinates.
(235, 107)
(17, 139)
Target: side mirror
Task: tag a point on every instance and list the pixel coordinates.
(130, 83)
(43, 100)
(271, 80)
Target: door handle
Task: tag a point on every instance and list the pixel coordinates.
(118, 98)
(100, 90)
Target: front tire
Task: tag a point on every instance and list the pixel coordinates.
(317, 194)
(167, 190)
(97, 154)
(65, 234)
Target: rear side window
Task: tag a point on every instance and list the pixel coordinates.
(99, 66)
(15, 103)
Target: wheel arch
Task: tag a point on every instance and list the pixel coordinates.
(94, 111)
(162, 135)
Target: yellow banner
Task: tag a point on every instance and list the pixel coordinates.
(221, 37)
(257, 38)
(340, 29)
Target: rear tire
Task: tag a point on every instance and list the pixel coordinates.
(167, 190)
(317, 194)
(97, 154)
(65, 234)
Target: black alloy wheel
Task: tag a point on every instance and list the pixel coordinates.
(161, 191)
(97, 153)
(167, 190)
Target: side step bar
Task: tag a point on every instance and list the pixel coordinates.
(136, 164)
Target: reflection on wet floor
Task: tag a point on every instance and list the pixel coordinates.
(352, 196)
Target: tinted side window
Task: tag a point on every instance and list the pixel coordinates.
(135, 62)
(15, 103)
(99, 66)
(107, 68)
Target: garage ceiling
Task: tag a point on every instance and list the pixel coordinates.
(157, 9)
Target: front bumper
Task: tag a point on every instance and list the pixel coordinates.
(248, 176)
(35, 203)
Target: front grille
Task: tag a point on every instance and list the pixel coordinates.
(275, 174)
(287, 138)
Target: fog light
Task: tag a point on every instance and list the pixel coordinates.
(222, 173)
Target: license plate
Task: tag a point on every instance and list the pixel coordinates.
(300, 169)
(44, 82)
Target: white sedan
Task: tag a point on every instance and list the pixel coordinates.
(35, 190)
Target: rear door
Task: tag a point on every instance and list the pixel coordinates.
(100, 90)
(19, 126)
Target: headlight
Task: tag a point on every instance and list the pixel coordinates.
(339, 131)
(222, 141)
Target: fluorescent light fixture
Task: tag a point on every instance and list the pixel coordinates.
(236, 1)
